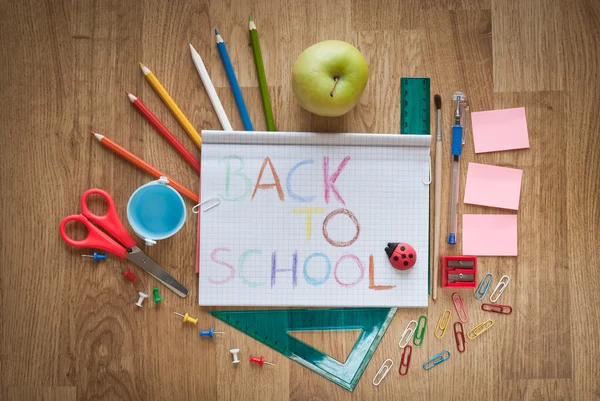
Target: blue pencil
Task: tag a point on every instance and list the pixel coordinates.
(235, 87)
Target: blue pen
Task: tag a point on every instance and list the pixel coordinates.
(235, 87)
(458, 139)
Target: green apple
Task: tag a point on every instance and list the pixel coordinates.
(329, 77)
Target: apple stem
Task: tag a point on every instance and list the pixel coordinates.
(334, 85)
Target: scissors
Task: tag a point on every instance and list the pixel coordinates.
(122, 245)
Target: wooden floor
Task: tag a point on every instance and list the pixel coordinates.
(70, 328)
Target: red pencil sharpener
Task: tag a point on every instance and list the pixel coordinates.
(459, 271)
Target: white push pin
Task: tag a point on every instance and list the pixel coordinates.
(234, 353)
(141, 298)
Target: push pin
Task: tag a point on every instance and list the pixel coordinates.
(97, 256)
(157, 297)
(234, 353)
(141, 298)
(260, 361)
(187, 318)
(210, 333)
(128, 274)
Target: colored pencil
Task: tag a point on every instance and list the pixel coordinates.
(210, 89)
(166, 98)
(160, 127)
(260, 72)
(233, 82)
(136, 161)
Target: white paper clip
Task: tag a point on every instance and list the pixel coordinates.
(383, 371)
(429, 181)
(215, 199)
(502, 284)
(407, 334)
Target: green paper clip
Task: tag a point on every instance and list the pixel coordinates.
(420, 331)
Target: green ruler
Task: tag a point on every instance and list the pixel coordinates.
(415, 106)
(271, 327)
(415, 119)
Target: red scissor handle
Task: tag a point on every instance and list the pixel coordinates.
(110, 221)
(95, 239)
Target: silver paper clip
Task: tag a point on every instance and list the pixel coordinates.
(215, 202)
(483, 287)
(502, 284)
(436, 359)
(383, 371)
(407, 334)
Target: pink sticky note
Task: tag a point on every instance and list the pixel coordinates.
(489, 234)
(493, 186)
(499, 130)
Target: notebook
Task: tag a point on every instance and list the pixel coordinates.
(305, 218)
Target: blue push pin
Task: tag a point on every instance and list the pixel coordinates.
(97, 256)
(210, 333)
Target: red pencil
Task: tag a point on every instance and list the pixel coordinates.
(164, 132)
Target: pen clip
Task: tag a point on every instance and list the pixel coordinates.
(467, 117)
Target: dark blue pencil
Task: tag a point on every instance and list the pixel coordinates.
(235, 87)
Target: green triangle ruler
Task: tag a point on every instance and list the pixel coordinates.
(271, 327)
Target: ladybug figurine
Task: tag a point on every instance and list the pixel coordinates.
(402, 256)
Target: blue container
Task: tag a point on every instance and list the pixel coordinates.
(156, 211)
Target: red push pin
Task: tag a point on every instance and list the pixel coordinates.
(260, 361)
(130, 275)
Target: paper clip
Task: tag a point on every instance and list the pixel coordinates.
(382, 372)
(484, 286)
(502, 284)
(405, 360)
(420, 331)
(459, 336)
(428, 181)
(459, 305)
(215, 199)
(479, 329)
(407, 334)
(504, 309)
(442, 323)
(436, 359)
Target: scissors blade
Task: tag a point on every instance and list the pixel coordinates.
(137, 256)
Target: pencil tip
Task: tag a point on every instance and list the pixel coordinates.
(250, 18)
(126, 91)
(141, 65)
(216, 32)
(92, 132)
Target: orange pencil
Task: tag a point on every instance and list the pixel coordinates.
(136, 161)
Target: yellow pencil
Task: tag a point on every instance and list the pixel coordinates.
(164, 95)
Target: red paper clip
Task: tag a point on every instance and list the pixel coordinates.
(405, 360)
(503, 309)
(459, 336)
(460, 307)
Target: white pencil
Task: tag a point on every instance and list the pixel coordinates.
(210, 89)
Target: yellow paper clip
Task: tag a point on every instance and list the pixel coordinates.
(502, 284)
(383, 371)
(442, 323)
(479, 329)
(407, 334)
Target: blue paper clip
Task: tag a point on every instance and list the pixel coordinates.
(484, 286)
(436, 359)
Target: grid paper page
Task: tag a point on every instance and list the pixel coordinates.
(304, 219)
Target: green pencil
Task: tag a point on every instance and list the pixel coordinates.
(262, 80)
